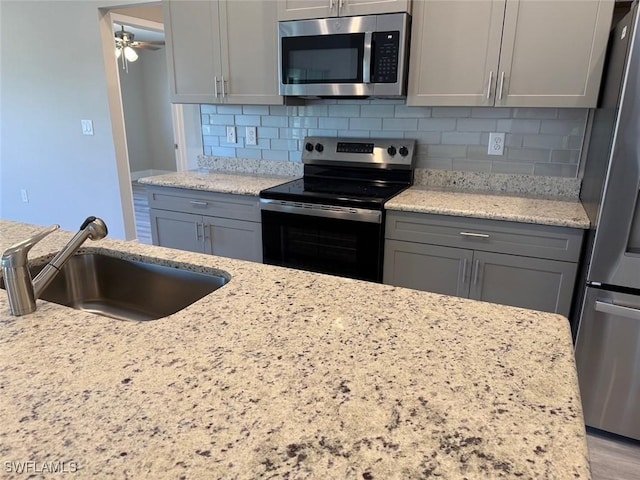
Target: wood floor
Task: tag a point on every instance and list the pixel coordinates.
(613, 458)
(141, 210)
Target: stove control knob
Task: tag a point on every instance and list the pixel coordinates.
(391, 150)
(309, 147)
(403, 151)
(319, 147)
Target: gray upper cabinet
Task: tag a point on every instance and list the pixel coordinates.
(212, 54)
(522, 53)
(529, 266)
(306, 9)
(220, 224)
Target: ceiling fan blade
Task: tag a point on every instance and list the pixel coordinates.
(148, 45)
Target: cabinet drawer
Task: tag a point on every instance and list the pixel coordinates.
(541, 241)
(225, 205)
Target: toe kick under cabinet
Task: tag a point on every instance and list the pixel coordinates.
(221, 224)
(510, 263)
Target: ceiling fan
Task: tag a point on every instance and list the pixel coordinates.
(125, 46)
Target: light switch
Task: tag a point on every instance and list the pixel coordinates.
(231, 134)
(87, 127)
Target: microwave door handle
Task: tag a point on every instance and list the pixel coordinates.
(367, 57)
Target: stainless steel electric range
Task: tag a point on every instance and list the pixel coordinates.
(332, 219)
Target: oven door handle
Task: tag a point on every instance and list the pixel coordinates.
(325, 211)
(367, 58)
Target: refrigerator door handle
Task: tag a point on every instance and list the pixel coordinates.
(618, 310)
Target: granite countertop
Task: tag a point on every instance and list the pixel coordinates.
(238, 183)
(542, 211)
(289, 374)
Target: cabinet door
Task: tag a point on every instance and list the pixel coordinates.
(427, 267)
(455, 47)
(303, 9)
(183, 231)
(349, 8)
(553, 52)
(249, 36)
(192, 37)
(526, 282)
(233, 238)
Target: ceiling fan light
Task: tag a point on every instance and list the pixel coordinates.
(118, 52)
(130, 54)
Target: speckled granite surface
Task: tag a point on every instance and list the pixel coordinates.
(250, 166)
(243, 184)
(562, 213)
(288, 374)
(499, 182)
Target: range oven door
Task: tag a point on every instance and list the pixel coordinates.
(348, 248)
(348, 56)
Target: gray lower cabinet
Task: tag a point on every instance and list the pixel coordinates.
(229, 225)
(529, 266)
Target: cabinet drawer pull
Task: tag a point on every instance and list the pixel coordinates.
(489, 86)
(476, 268)
(475, 235)
(618, 310)
(501, 86)
(197, 203)
(215, 87)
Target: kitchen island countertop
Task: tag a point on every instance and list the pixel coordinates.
(289, 374)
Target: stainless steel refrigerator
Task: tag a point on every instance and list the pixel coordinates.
(608, 335)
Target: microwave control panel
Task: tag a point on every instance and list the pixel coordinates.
(386, 50)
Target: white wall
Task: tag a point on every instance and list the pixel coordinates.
(135, 118)
(53, 76)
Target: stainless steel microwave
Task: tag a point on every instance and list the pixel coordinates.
(345, 56)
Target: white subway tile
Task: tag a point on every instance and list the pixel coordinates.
(230, 109)
(467, 165)
(555, 170)
(512, 168)
(512, 140)
(529, 155)
(344, 110)
(303, 122)
(333, 123)
(281, 144)
(293, 133)
(322, 132)
(313, 110)
(262, 143)
(460, 138)
(434, 163)
(204, 119)
(535, 113)
(436, 124)
(239, 142)
(562, 127)
(424, 137)
(210, 141)
(544, 141)
(400, 124)
(447, 151)
(223, 151)
(355, 134)
(386, 101)
(295, 156)
(253, 153)
(575, 142)
(518, 126)
(206, 150)
(451, 112)
(268, 132)
(221, 119)
(376, 111)
(255, 110)
(565, 156)
(490, 112)
(248, 120)
(476, 125)
(274, 121)
(279, 155)
(365, 123)
(578, 114)
(207, 109)
(402, 111)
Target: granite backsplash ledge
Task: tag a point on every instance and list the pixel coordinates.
(514, 184)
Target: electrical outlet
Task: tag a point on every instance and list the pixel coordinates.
(24, 195)
(87, 127)
(231, 134)
(496, 143)
(252, 139)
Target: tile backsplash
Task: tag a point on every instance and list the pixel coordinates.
(538, 141)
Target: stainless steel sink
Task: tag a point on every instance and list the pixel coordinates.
(126, 289)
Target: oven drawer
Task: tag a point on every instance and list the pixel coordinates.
(226, 205)
(541, 241)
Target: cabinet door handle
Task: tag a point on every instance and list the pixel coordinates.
(206, 229)
(489, 86)
(464, 270)
(476, 268)
(197, 203)
(340, 5)
(332, 4)
(618, 310)
(197, 231)
(501, 86)
(222, 82)
(215, 87)
(474, 235)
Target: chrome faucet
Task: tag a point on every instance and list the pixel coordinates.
(21, 290)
